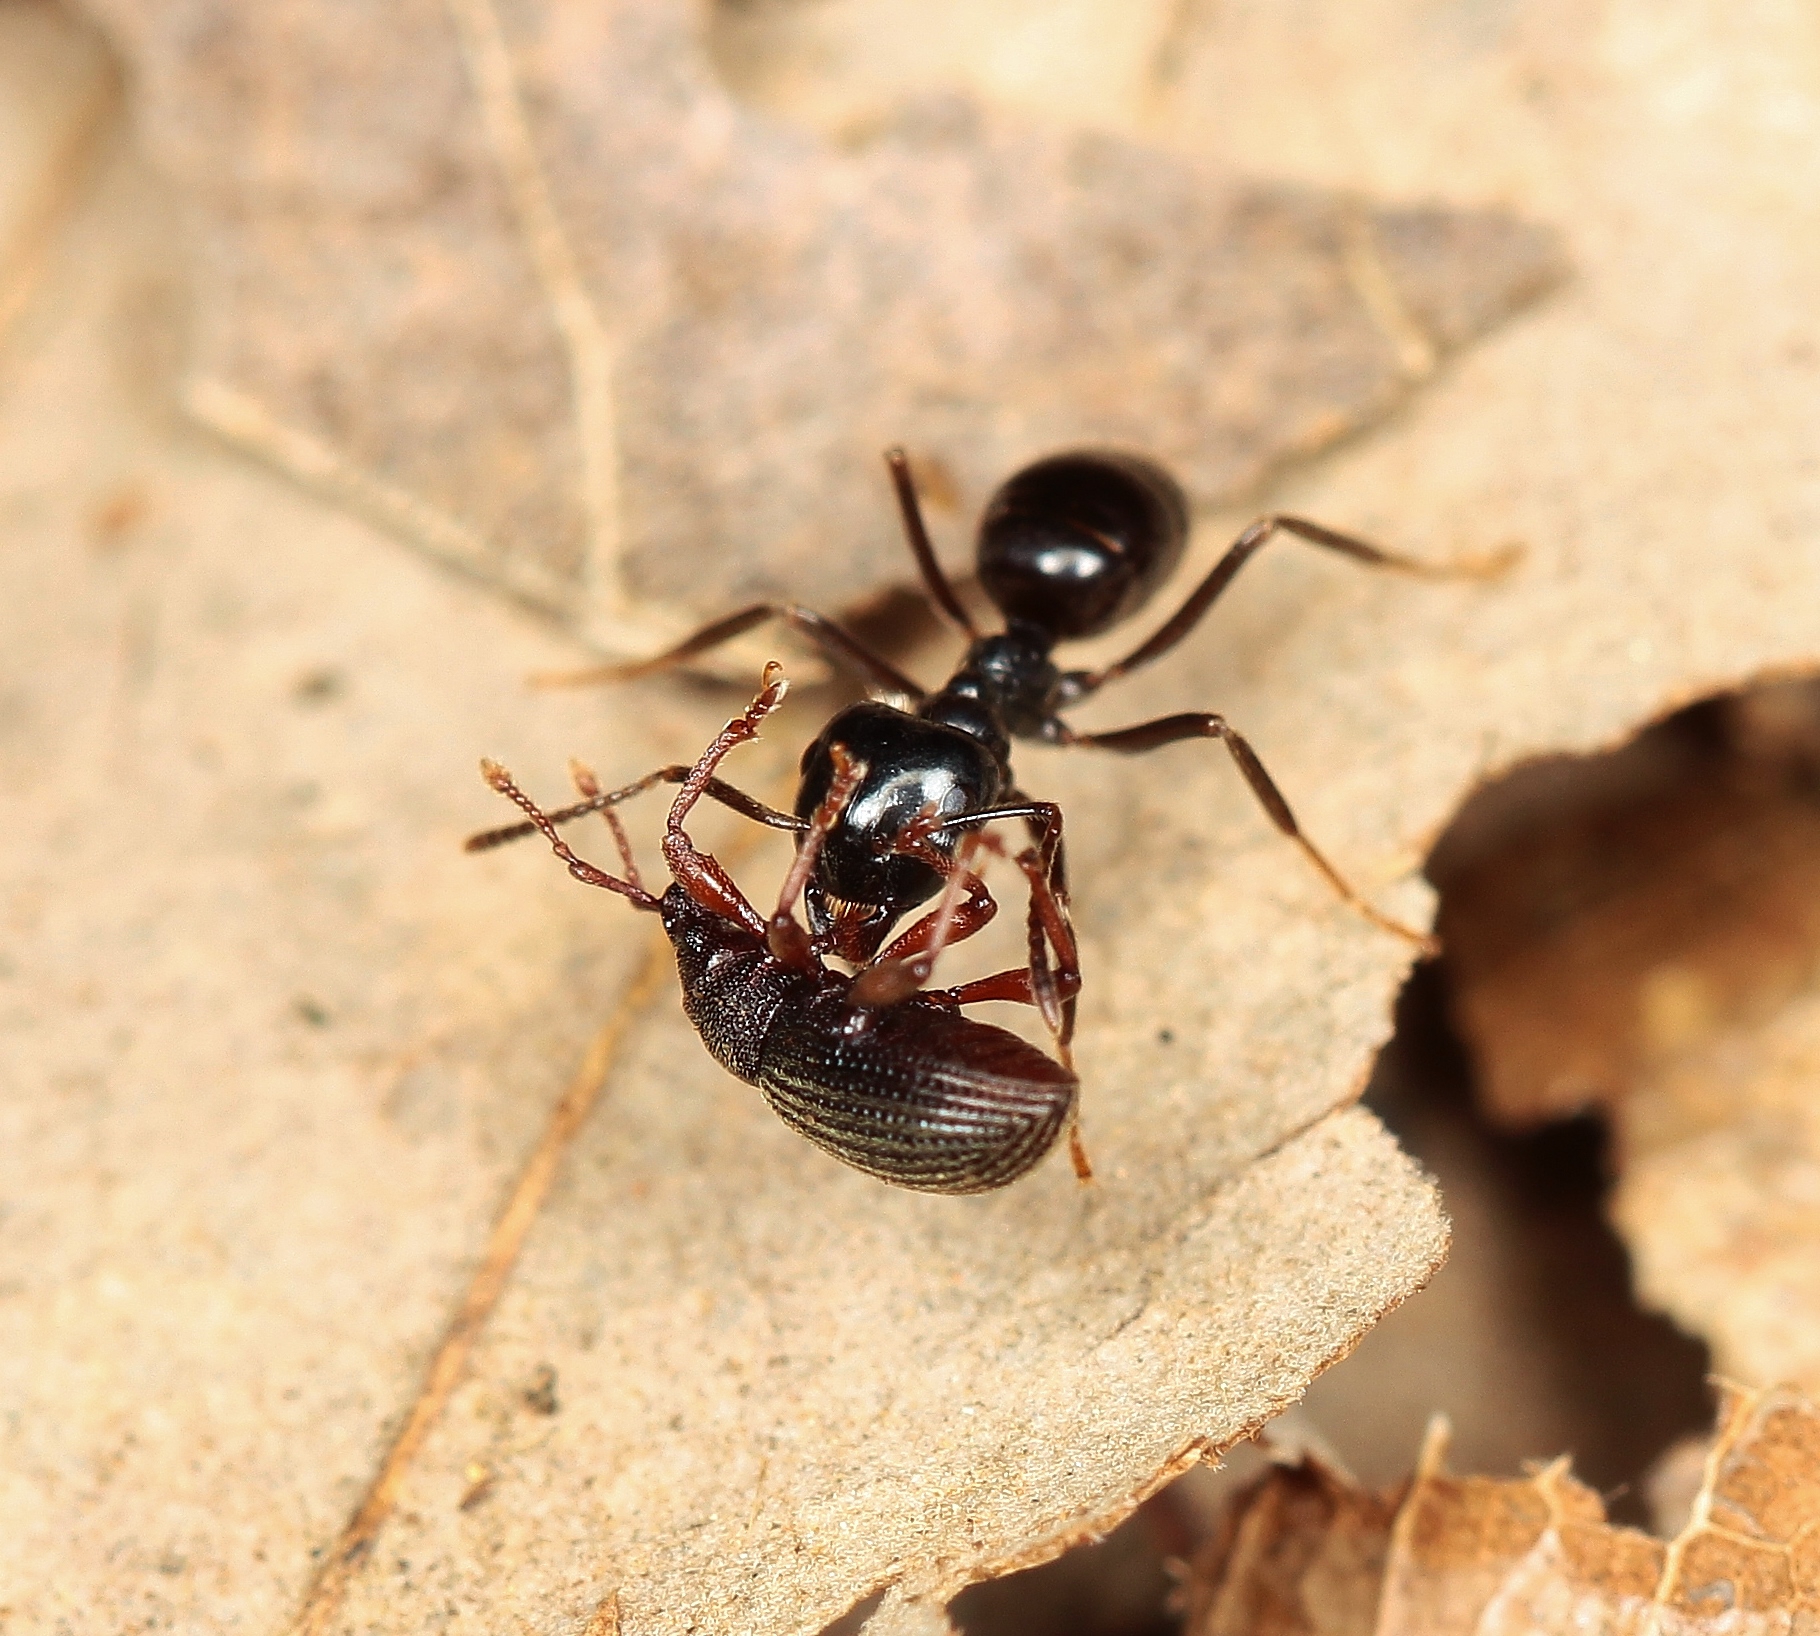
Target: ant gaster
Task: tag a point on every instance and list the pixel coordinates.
(922, 1095)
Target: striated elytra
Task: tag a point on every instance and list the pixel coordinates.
(922, 1096)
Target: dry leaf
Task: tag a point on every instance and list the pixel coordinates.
(278, 1051)
(1305, 1551)
(1638, 932)
(1605, 916)
(1719, 1196)
(530, 285)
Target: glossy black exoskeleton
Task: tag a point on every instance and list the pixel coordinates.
(1068, 547)
(911, 1091)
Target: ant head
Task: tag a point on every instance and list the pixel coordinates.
(870, 858)
(1079, 541)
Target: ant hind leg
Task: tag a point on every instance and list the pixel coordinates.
(1151, 735)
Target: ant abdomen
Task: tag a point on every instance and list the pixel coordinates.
(1075, 543)
(923, 1097)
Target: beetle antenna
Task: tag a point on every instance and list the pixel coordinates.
(580, 868)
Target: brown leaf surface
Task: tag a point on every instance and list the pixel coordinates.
(278, 1051)
(1719, 1197)
(1307, 1553)
(528, 284)
(1640, 932)
(1606, 917)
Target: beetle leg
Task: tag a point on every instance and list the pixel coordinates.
(965, 907)
(583, 871)
(1011, 985)
(1049, 925)
(588, 786)
(700, 873)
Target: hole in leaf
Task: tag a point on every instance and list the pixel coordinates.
(1118, 1586)
(853, 1621)
(1530, 1339)
(1610, 921)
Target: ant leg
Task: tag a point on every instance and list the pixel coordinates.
(1204, 724)
(501, 780)
(785, 936)
(845, 651)
(699, 873)
(941, 593)
(727, 795)
(1078, 684)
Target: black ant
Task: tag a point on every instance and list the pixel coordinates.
(910, 1090)
(1068, 548)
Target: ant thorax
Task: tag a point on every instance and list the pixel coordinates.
(1003, 690)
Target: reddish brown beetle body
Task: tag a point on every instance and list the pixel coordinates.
(923, 1096)
(891, 1079)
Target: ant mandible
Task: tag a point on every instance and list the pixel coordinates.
(909, 1090)
(1068, 548)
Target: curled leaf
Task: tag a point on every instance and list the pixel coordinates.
(1305, 1551)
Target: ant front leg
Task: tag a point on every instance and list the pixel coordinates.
(1151, 735)
(840, 648)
